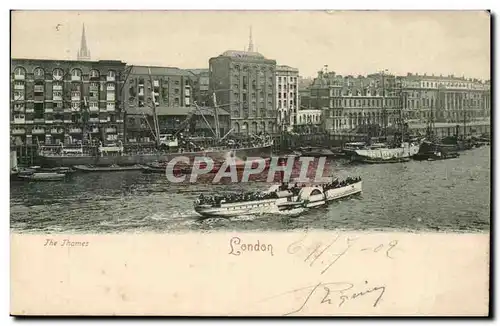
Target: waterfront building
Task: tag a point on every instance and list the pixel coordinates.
(201, 80)
(379, 101)
(287, 96)
(351, 103)
(172, 87)
(446, 99)
(175, 91)
(308, 121)
(66, 101)
(244, 83)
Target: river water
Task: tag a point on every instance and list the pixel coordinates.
(444, 196)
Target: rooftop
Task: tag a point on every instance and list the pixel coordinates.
(158, 71)
(69, 61)
(242, 54)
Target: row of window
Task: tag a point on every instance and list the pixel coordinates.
(292, 95)
(449, 84)
(58, 73)
(363, 102)
(290, 79)
(292, 104)
(246, 68)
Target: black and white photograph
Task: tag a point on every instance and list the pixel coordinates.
(241, 124)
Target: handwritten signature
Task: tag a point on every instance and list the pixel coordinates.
(335, 294)
(334, 250)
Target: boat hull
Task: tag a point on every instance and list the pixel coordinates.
(385, 155)
(142, 159)
(84, 168)
(42, 177)
(309, 197)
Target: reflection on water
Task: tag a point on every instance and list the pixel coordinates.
(449, 195)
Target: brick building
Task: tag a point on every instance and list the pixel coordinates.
(201, 83)
(172, 87)
(64, 101)
(287, 100)
(245, 85)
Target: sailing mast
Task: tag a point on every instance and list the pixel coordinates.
(401, 122)
(155, 116)
(384, 111)
(465, 119)
(216, 118)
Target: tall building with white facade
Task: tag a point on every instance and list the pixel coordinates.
(287, 97)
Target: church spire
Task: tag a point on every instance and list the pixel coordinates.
(84, 52)
(250, 41)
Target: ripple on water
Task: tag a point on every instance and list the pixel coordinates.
(443, 196)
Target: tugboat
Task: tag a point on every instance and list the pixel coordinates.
(277, 198)
(431, 151)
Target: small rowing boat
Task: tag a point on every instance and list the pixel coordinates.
(113, 168)
(42, 176)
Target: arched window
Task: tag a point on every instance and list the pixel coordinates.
(76, 74)
(19, 73)
(94, 73)
(111, 75)
(39, 73)
(57, 73)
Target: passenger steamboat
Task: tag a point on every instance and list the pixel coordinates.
(278, 198)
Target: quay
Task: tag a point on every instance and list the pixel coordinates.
(27, 155)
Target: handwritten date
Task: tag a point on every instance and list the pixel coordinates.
(327, 254)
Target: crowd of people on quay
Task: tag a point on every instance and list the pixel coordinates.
(235, 198)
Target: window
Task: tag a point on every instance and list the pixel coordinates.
(76, 74)
(19, 71)
(75, 105)
(57, 73)
(111, 75)
(94, 73)
(176, 101)
(18, 95)
(39, 73)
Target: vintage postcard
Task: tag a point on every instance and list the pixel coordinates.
(250, 163)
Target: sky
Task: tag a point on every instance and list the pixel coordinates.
(349, 42)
